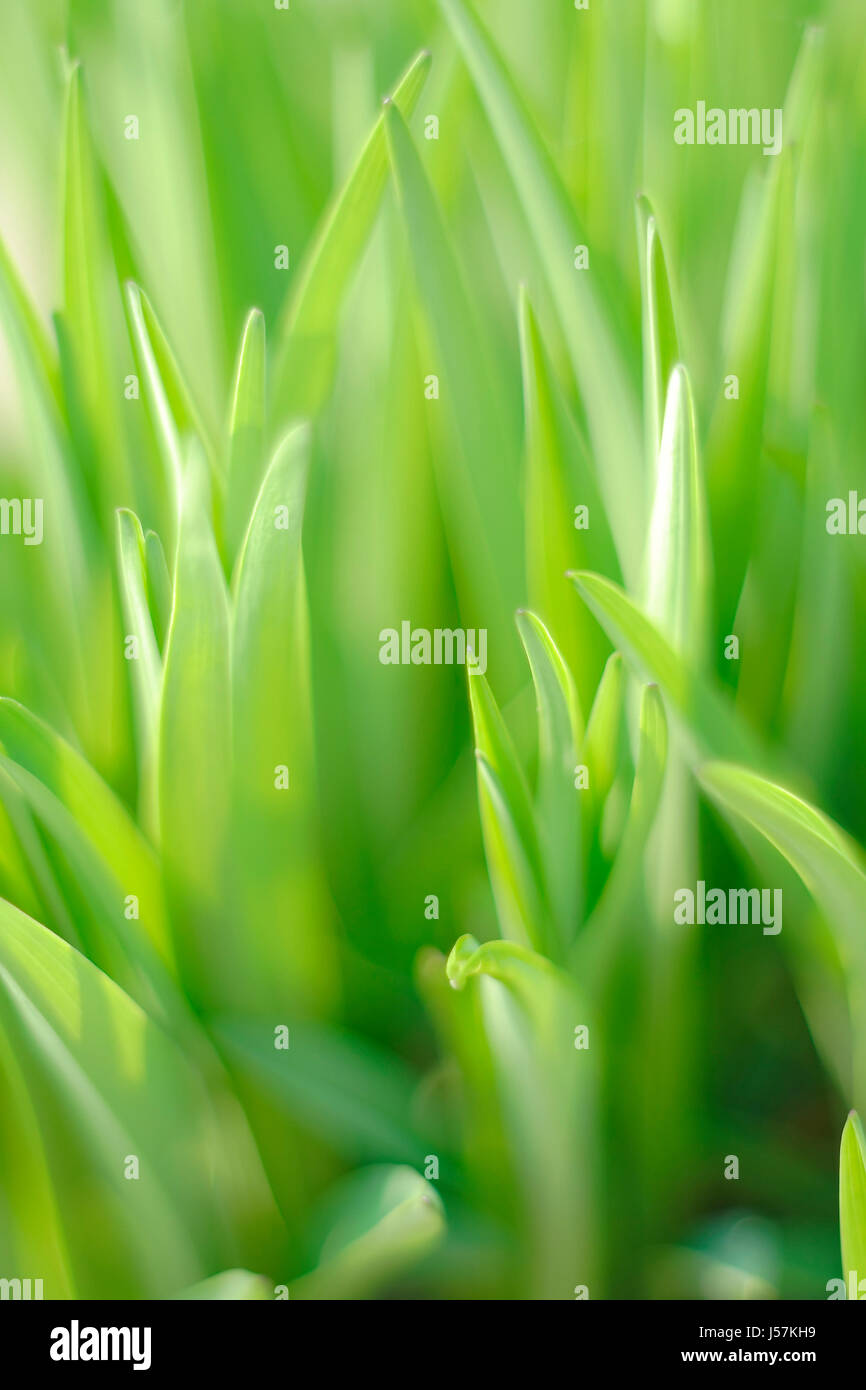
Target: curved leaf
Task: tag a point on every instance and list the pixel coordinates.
(383, 1220)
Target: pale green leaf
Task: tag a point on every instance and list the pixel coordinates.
(559, 478)
(233, 1285)
(830, 864)
(93, 809)
(100, 1095)
(478, 475)
(247, 440)
(307, 347)
(274, 791)
(661, 349)
(678, 579)
(852, 1200)
(382, 1221)
(608, 394)
(531, 1015)
(707, 717)
(560, 736)
(146, 665)
(195, 755)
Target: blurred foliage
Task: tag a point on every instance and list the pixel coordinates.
(216, 338)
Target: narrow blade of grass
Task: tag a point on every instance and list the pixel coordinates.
(86, 287)
(515, 881)
(530, 1013)
(247, 431)
(678, 581)
(559, 478)
(852, 1200)
(307, 348)
(661, 348)
(174, 409)
(96, 1105)
(94, 810)
(602, 378)
(479, 490)
(273, 811)
(828, 861)
(195, 755)
(620, 899)
(560, 736)
(146, 666)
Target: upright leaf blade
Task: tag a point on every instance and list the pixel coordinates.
(531, 1015)
(479, 487)
(560, 736)
(596, 357)
(146, 663)
(661, 349)
(852, 1200)
(195, 756)
(247, 440)
(559, 480)
(678, 581)
(274, 793)
(306, 352)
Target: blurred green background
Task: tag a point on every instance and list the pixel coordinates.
(312, 912)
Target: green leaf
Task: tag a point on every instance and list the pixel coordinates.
(734, 454)
(559, 477)
(107, 1085)
(146, 666)
(531, 1013)
(661, 349)
(87, 285)
(494, 742)
(828, 861)
(60, 615)
(95, 902)
(94, 811)
(852, 1200)
(560, 736)
(273, 823)
(174, 409)
(603, 740)
(619, 903)
(507, 821)
(476, 473)
(338, 1086)
(678, 579)
(29, 878)
(159, 593)
(246, 431)
(599, 367)
(383, 1220)
(307, 348)
(707, 717)
(37, 354)
(195, 756)
(514, 877)
(233, 1285)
